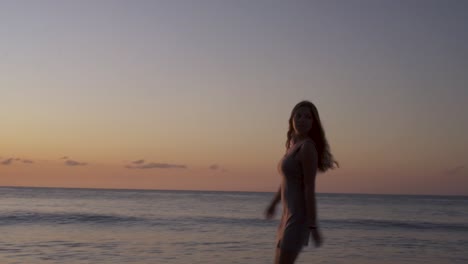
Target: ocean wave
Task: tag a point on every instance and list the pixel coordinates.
(63, 218)
(226, 220)
(386, 224)
(367, 224)
(187, 222)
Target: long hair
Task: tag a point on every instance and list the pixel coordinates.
(316, 133)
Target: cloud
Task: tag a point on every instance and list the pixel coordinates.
(74, 163)
(138, 161)
(7, 161)
(216, 167)
(69, 162)
(153, 165)
(455, 170)
(162, 166)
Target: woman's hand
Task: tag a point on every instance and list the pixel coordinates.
(270, 211)
(317, 237)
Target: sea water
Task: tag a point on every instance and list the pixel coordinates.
(60, 225)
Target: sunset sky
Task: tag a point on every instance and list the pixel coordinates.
(197, 94)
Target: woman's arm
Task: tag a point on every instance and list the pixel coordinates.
(277, 197)
(270, 212)
(309, 161)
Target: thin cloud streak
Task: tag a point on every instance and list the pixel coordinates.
(154, 165)
(7, 161)
(74, 163)
(10, 161)
(216, 167)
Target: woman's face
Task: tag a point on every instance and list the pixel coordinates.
(302, 121)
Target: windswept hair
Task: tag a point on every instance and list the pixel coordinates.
(325, 158)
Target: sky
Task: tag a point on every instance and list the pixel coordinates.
(196, 95)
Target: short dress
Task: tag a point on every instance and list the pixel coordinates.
(293, 233)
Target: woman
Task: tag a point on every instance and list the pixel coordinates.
(307, 151)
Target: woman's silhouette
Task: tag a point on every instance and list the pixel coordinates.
(307, 151)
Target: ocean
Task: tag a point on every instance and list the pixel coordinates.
(61, 225)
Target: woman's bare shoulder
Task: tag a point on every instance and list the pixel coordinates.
(308, 149)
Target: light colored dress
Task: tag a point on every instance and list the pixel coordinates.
(293, 233)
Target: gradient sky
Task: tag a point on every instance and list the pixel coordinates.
(197, 94)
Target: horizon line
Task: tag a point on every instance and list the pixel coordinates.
(239, 191)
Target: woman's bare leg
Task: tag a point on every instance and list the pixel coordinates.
(285, 256)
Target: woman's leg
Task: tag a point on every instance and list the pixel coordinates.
(285, 256)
